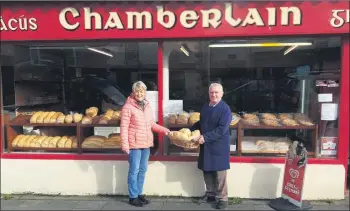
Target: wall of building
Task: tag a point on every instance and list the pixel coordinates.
(79, 177)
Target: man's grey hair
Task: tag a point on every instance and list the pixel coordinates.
(216, 84)
(139, 84)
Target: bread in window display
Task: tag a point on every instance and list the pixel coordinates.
(285, 116)
(86, 120)
(61, 118)
(35, 116)
(171, 119)
(33, 141)
(251, 119)
(77, 117)
(268, 116)
(49, 116)
(290, 122)
(68, 119)
(46, 141)
(303, 119)
(28, 140)
(271, 122)
(54, 117)
(53, 142)
(116, 115)
(38, 142)
(182, 118)
(62, 141)
(194, 117)
(184, 138)
(41, 117)
(91, 112)
(93, 142)
(15, 141)
(113, 141)
(235, 118)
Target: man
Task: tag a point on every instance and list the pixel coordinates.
(214, 155)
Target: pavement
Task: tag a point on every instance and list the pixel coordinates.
(42, 202)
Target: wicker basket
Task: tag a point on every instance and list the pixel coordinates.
(181, 140)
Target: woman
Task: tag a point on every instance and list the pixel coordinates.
(136, 129)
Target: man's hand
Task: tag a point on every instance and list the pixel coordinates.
(201, 140)
(126, 151)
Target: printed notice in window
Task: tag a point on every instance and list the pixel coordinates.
(329, 111)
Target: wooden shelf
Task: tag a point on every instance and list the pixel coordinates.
(44, 149)
(24, 120)
(95, 123)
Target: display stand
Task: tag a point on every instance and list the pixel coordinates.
(293, 180)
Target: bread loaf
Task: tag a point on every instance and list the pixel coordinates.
(41, 117)
(60, 119)
(91, 112)
(49, 116)
(195, 133)
(46, 141)
(77, 117)
(22, 140)
(93, 142)
(86, 120)
(69, 142)
(34, 118)
(40, 141)
(194, 117)
(109, 113)
(268, 116)
(27, 141)
(54, 117)
(75, 143)
(53, 142)
(15, 141)
(68, 119)
(62, 141)
(186, 131)
(33, 141)
(171, 120)
(116, 115)
(182, 118)
(104, 120)
(110, 143)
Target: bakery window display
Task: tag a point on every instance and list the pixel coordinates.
(44, 143)
(98, 143)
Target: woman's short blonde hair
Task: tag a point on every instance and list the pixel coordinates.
(139, 84)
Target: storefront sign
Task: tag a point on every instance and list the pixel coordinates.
(329, 146)
(52, 21)
(292, 188)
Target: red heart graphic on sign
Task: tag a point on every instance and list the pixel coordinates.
(293, 173)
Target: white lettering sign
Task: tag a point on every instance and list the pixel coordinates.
(93, 20)
(21, 23)
(339, 18)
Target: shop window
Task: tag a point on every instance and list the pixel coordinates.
(48, 87)
(283, 90)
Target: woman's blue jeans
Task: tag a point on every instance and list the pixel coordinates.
(138, 161)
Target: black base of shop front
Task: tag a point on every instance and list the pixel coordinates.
(281, 204)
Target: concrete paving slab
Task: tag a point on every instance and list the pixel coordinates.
(33, 205)
(186, 206)
(262, 207)
(91, 205)
(241, 207)
(10, 204)
(62, 205)
(118, 205)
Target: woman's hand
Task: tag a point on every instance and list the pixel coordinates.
(166, 131)
(126, 151)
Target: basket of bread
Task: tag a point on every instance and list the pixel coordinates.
(184, 138)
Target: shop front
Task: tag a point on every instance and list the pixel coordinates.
(67, 69)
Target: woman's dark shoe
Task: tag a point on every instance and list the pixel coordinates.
(136, 202)
(143, 199)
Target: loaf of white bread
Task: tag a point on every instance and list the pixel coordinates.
(112, 142)
(55, 117)
(35, 141)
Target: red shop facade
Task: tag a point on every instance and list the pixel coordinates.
(276, 58)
